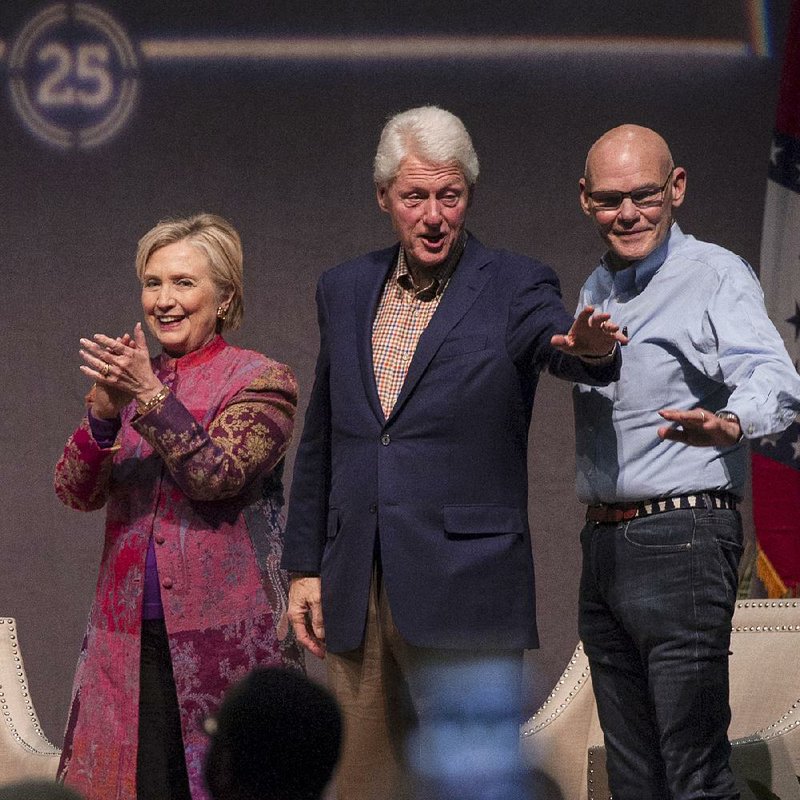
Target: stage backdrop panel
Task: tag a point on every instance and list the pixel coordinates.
(116, 114)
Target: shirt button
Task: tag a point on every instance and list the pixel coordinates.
(160, 539)
(385, 439)
(167, 583)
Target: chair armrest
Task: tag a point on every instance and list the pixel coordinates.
(25, 751)
(555, 738)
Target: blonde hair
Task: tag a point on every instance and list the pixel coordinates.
(218, 240)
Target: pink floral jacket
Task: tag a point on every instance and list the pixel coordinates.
(201, 474)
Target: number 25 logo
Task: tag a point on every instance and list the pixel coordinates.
(74, 75)
(78, 77)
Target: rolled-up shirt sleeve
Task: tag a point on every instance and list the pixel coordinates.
(750, 355)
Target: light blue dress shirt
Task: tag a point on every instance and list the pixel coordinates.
(699, 337)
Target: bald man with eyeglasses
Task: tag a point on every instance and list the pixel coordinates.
(661, 464)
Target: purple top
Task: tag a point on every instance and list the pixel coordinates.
(105, 433)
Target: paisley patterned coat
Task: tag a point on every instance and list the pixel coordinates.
(201, 474)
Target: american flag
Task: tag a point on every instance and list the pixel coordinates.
(776, 459)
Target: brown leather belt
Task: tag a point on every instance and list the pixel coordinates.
(620, 512)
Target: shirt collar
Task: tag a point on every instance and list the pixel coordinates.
(635, 277)
(440, 278)
(205, 353)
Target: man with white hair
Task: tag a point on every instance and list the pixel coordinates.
(663, 537)
(408, 530)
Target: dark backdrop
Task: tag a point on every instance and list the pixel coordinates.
(283, 148)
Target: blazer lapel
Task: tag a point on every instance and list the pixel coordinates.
(369, 285)
(465, 285)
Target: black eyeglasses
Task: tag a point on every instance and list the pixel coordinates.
(646, 197)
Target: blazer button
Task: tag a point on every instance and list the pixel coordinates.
(167, 583)
(373, 509)
(385, 439)
(160, 539)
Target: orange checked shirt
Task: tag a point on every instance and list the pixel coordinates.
(404, 312)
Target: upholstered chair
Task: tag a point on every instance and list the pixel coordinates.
(25, 752)
(563, 744)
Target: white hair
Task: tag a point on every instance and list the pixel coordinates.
(429, 133)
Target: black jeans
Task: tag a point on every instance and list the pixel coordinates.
(656, 601)
(161, 762)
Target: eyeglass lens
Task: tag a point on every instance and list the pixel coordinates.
(646, 197)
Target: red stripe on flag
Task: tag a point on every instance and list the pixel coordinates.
(776, 500)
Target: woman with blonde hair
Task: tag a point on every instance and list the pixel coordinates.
(185, 451)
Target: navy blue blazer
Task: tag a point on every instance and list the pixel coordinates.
(440, 488)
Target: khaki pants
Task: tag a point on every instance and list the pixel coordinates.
(394, 697)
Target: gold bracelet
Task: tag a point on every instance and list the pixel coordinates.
(156, 399)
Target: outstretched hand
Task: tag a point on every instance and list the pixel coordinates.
(699, 428)
(590, 335)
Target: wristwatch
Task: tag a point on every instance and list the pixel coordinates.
(729, 416)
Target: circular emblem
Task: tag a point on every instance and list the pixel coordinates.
(73, 76)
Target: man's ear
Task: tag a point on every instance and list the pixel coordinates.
(678, 186)
(380, 194)
(584, 198)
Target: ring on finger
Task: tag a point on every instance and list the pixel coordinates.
(106, 369)
(702, 416)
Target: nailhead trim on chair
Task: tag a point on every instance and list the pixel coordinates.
(766, 604)
(579, 681)
(774, 730)
(590, 779)
(768, 732)
(8, 622)
(777, 728)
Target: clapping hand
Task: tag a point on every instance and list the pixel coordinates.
(120, 369)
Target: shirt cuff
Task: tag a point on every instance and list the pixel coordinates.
(600, 361)
(104, 431)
